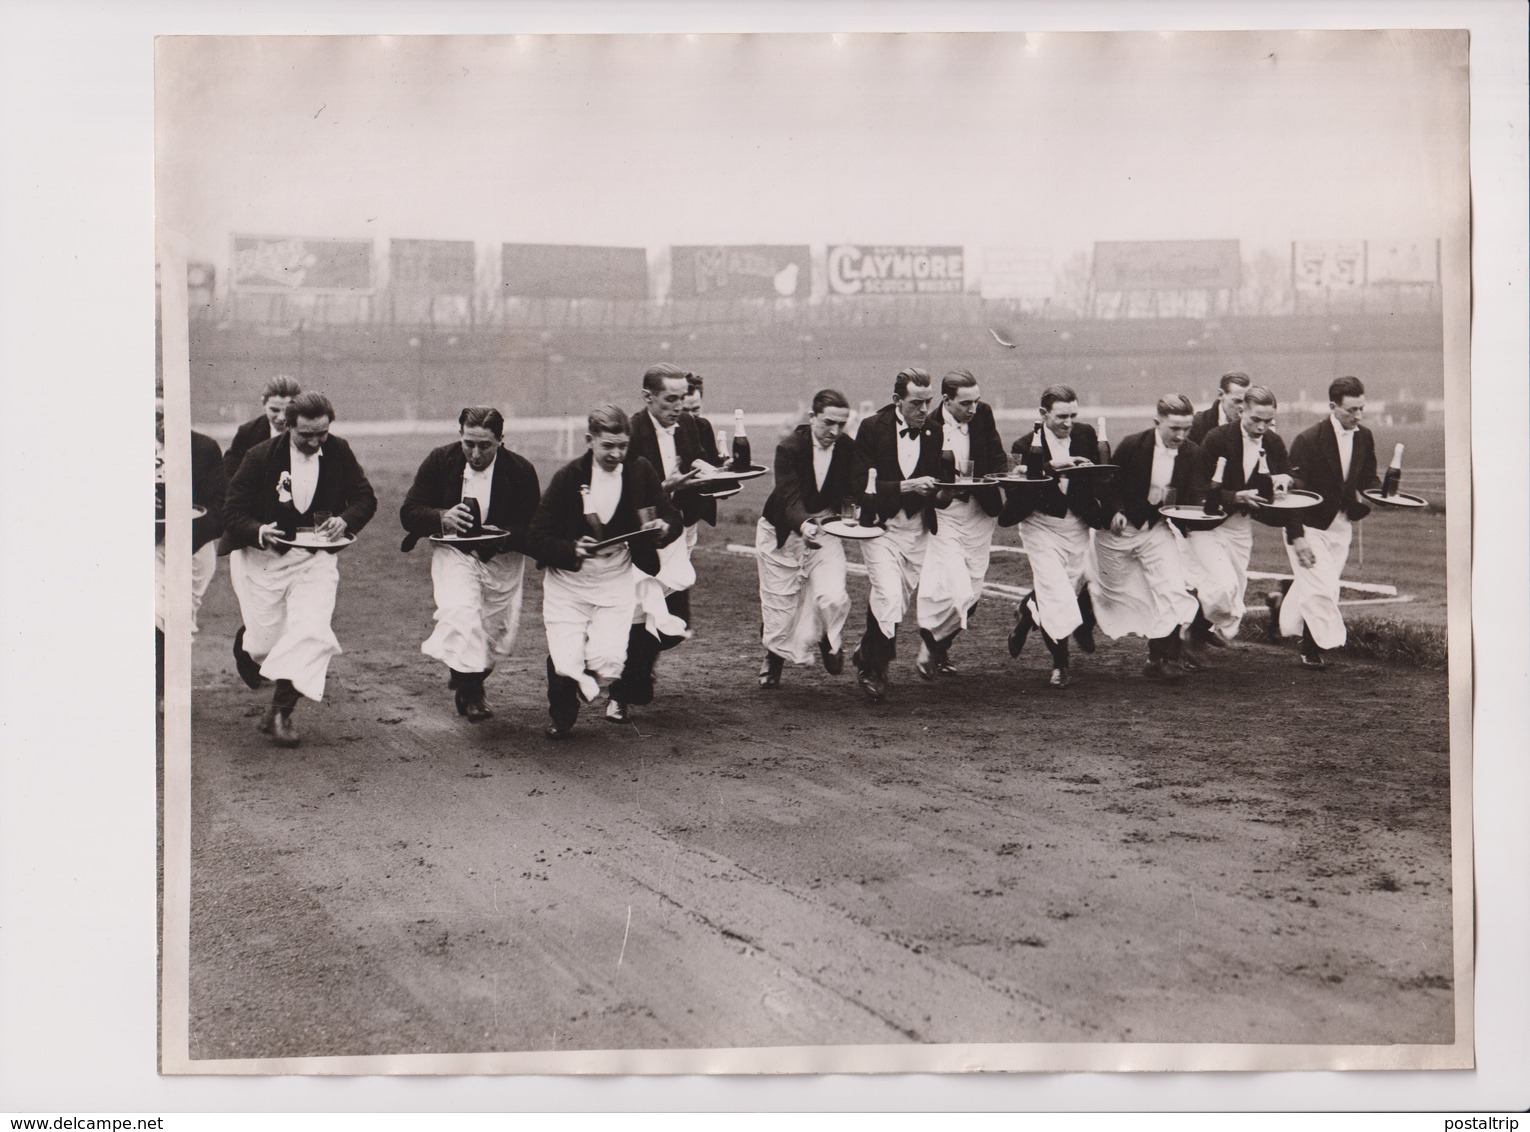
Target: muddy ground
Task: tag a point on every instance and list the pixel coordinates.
(1258, 855)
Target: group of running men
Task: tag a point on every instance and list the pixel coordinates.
(614, 530)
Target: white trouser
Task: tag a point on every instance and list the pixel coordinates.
(893, 562)
(1216, 565)
(287, 601)
(1142, 586)
(675, 570)
(955, 562)
(204, 564)
(802, 593)
(478, 608)
(692, 536)
(588, 613)
(1059, 553)
(1314, 595)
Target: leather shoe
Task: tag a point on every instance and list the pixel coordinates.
(1060, 678)
(1164, 670)
(282, 731)
(1084, 635)
(553, 731)
(1313, 660)
(924, 663)
(617, 712)
(1192, 659)
(833, 662)
(770, 670)
(475, 707)
(870, 684)
(1024, 623)
(247, 666)
(1214, 639)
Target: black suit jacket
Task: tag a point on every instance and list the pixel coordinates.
(513, 496)
(1226, 441)
(1204, 421)
(1315, 466)
(560, 521)
(208, 488)
(1082, 497)
(688, 449)
(253, 501)
(1127, 490)
(703, 508)
(876, 446)
(797, 494)
(986, 452)
(246, 437)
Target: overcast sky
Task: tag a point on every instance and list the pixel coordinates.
(1049, 141)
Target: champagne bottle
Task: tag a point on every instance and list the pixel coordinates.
(1213, 493)
(869, 500)
(1394, 474)
(1036, 455)
(1104, 441)
(1261, 481)
(740, 443)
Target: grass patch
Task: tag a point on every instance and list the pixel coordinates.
(1388, 639)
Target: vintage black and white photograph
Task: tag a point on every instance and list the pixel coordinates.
(804, 553)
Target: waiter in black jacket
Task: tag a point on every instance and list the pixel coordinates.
(1142, 588)
(287, 594)
(592, 596)
(1227, 408)
(957, 552)
(1254, 466)
(1055, 521)
(699, 505)
(1337, 459)
(272, 422)
(803, 599)
(664, 436)
(477, 587)
(893, 444)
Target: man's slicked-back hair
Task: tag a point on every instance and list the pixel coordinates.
(483, 416)
(656, 376)
(956, 379)
(1260, 395)
(1175, 405)
(1343, 387)
(1053, 394)
(829, 399)
(910, 375)
(309, 405)
(282, 385)
(609, 419)
(695, 383)
(1234, 377)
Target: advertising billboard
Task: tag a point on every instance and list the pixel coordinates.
(1327, 265)
(573, 271)
(1415, 262)
(431, 267)
(1168, 265)
(737, 272)
(287, 263)
(861, 269)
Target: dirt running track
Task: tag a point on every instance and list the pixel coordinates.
(1259, 855)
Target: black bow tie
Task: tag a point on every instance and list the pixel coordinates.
(909, 431)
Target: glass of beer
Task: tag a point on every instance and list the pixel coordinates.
(964, 470)
(849, 512)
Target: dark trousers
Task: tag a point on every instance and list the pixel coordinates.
(635, 684)
(877, 651)
(562, 697)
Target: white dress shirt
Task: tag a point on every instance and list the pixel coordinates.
(822, 458)
(1346, 445)
(908, 447)
(958, 439)
(305, 479)
(1058, 448)
(666, 439)
(1252, 450)
(478, 485)
(605, 493)
(1163, 469)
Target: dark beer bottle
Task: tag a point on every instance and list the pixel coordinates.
(1394, 474)
(740, 443)
(1213, 493)
(869, 517)
(947, 466)
(1036, 455)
